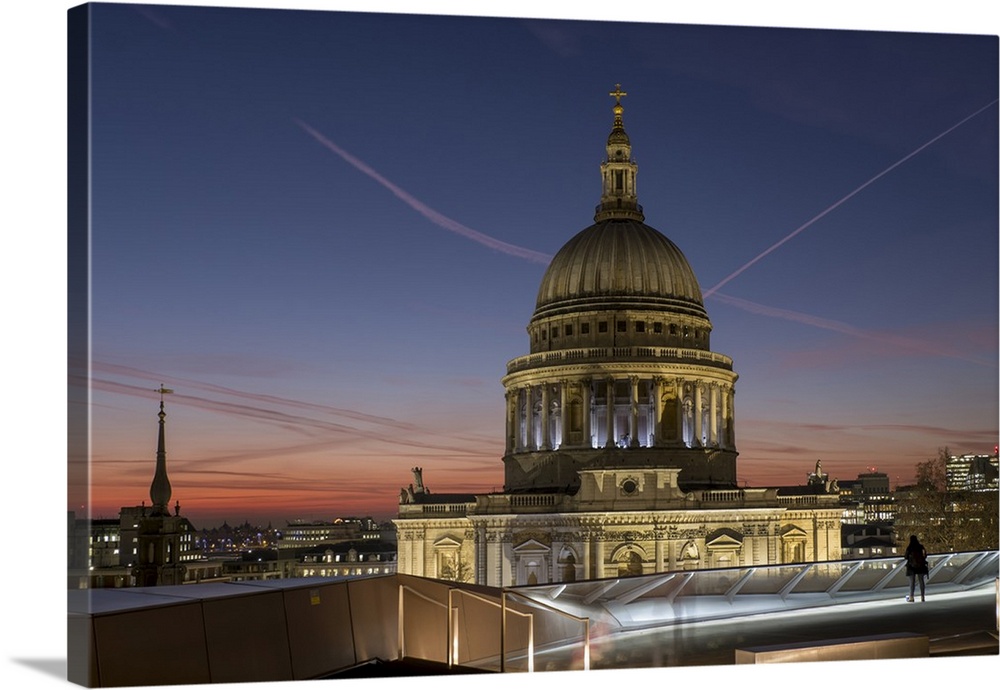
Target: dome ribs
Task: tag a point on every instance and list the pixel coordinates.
(623, 259)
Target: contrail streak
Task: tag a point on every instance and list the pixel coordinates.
(118, 369)
(847, 329)
(842, 200)
(426, 211)
(333, 433)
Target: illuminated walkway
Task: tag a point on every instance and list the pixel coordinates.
(620, 604)
(324, 627)
(701, 617)
(955, 623)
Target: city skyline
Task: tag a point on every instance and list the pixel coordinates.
(325, 232)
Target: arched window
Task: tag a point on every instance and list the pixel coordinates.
(567, 565)
(531, 569)
(630, 563)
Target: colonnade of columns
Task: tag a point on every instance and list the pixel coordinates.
(592, 413)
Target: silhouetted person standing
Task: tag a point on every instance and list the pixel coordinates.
(916, 565)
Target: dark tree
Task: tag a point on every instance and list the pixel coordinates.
(946, 521)
(456, 568)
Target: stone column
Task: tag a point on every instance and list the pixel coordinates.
(724, 402)
(420, 547)
(633, 412)
(503, 565)
(546, 431)
(697, 413)
(658, 535)
(657, 410)
(529, 415)
(480, 560)
(552, 561)
(587, 412)
(731, 418)
(511, 444)
(713, 416)
(599, 557)
(555, 550)
(610, 414)
(680, 411)
(563, 412)
(520, 440)
(403, 552)
(587, 569)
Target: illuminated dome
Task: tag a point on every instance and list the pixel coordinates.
(619, 264)
(620, 373)
(620, 272)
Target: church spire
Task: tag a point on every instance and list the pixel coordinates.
(618, 171)
(159, 490)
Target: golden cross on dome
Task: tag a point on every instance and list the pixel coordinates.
(618, 93)
(161, 390)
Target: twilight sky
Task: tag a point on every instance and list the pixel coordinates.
(325, 231)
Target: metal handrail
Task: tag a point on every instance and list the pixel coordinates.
(586, 623)
(401, 618)
(453, 627)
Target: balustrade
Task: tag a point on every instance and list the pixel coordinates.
(602, 353)
(723, 496)
(531, 501)
(450, 508)
(798, 500)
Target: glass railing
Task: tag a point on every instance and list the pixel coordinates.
(667, 598)
(532, 626)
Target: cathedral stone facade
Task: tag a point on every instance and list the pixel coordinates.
(620, 452)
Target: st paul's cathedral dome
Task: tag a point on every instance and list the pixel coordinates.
(620, 371)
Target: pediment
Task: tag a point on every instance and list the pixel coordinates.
(724, 538)
(531, 546)
(447, 542)
(793, 532)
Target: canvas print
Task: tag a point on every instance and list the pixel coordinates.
(409, 345)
